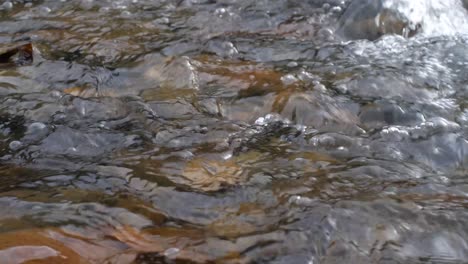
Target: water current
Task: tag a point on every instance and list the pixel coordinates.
(233, 131)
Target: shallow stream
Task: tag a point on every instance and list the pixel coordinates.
(234, 131)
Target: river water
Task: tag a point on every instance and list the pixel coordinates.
(224, 131)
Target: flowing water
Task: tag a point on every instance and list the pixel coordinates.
(234, 131)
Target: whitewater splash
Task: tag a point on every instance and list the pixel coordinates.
(370, 19)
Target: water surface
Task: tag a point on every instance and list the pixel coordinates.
(198, 131)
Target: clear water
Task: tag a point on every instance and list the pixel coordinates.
(199, 131)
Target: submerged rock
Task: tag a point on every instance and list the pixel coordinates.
(368, 19)
(175, 73)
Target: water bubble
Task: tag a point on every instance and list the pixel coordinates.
(104, 9)
(126, 13)
(326, 34)
(161, 21)
(15, 145)
(260, 121)
(45, 10)
(302, 201)
(36, 127)
(171, 252)
(288, 79)
(220, 11)
(292, 64)
(227, 155)
(336, 9)
(394, 134)
(56, 94)
(119, 5)
(320, 87)
(7, 5)
(230, 48)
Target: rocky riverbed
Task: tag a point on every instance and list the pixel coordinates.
(220, 131)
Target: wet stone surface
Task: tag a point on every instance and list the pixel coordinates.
(224, 131)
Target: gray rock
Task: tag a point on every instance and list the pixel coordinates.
(369, 19)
